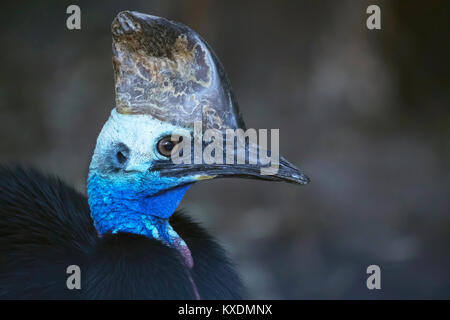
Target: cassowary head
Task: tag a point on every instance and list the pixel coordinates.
(174, 124)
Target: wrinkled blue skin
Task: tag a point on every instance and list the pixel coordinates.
(138, 202)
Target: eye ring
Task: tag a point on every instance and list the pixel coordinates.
(169, 144)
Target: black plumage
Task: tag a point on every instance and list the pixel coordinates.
(45, 226)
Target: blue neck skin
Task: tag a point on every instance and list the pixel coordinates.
(140, 204)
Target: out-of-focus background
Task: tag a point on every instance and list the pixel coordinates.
(365, 113)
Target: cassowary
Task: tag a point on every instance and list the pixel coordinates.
(125, 237)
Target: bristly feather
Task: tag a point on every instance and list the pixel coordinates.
(45, 226)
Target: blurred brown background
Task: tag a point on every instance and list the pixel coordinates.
(365, 113)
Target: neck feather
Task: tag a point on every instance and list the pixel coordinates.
(121, 207)
(118, 207)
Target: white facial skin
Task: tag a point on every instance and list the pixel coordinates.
(140, 133)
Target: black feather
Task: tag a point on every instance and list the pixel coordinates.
(45, 226)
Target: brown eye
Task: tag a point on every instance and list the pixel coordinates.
(167, 144)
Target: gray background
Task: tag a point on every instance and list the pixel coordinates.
(365, 113)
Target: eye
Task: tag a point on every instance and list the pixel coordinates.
(167, 144)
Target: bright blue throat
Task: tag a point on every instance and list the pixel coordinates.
(137, 204)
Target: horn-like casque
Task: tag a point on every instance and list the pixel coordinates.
(165, 69)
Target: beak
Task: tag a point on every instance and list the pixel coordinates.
(286, 171)
(275, 169)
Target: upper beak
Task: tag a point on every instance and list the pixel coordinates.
(278, 169)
